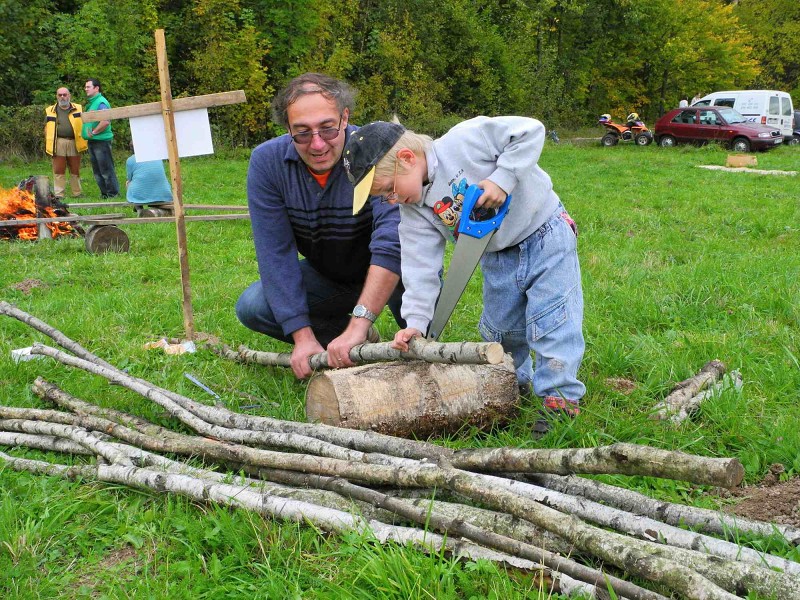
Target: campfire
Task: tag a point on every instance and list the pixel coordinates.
(20, 203)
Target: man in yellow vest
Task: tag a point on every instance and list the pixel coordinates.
(63, 141)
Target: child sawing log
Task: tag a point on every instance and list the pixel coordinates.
(413, 398)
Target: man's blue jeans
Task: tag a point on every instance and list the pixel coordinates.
(103, 168)
(329, 304)
(532, 301)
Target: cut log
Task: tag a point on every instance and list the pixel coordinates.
(413, 398)
(106, 238)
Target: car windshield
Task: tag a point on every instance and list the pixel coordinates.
(732, 116)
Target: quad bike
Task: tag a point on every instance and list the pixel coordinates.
(634, 130)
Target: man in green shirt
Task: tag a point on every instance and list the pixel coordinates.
(99, 136)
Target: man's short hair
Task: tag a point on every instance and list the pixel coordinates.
(95, 83)
(312, 83)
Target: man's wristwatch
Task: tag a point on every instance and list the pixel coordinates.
(362, 312)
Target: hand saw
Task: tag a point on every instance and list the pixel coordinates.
(473, 238)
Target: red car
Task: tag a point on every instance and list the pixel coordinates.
(703, 124)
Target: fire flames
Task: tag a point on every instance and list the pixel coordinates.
(20, 204)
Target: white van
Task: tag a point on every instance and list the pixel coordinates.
(767, 107)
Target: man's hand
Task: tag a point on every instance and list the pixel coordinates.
(493, 195)
(339, 348)
(404, 336)
(305, 344)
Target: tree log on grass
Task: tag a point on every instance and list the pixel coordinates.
(413, 398)
(680, 396)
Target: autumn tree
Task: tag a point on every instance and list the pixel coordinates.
(774, 27)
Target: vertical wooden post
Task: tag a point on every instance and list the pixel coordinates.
(175, 175)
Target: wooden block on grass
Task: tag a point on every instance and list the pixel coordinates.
(741, 160)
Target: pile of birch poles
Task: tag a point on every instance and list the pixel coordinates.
(535, 513)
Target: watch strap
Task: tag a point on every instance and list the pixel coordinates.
(362, 312)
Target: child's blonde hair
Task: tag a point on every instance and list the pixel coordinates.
(416, 142)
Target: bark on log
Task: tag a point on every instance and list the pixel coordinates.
(413, 399)
(464, 353)
(682, 393)
(622, 458)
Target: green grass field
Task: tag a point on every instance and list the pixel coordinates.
(680, 265)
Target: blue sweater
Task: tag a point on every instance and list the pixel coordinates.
(290, 214)
(148, 181)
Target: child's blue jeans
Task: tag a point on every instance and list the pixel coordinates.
(532, 301)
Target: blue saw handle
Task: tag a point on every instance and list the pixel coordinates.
(479, 229)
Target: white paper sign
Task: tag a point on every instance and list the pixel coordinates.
(191, 130)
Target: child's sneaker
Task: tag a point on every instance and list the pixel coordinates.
(554, 407)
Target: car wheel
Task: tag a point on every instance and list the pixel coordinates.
(643, 139)
(740, 145)
(666, 141)
(609, 140)
(795, 140)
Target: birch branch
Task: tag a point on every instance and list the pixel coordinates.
(473, 353)
(729, 381)
(683, 391)
(627, 459)
(430, 516)
(620, 458)
(643, 527)
(710, 521)
(636, 560)
(62, 340)
(203, 490)
(240, 436)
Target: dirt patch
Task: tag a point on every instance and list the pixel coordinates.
(771, 500)
(27, 285)
(621, 385)
(111, 563)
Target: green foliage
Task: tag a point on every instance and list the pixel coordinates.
(24, 50)
(774, 26)
(227, 54)
(109, 40)
(22, 132)
(428, 61)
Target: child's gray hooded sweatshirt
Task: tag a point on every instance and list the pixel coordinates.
(504, 150)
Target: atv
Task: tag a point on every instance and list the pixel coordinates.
(633, 130)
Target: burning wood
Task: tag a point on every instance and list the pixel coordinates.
(21, 203)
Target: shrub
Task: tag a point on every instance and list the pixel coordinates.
(22, 132)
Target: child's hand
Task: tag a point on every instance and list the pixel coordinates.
(493, 195)
(404, 336)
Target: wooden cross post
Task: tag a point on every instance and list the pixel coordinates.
(167, 108)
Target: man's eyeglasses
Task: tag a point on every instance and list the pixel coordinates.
(393, 196)
(327, 134)
(65, 95)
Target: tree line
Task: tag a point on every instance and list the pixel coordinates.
(430, 62)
